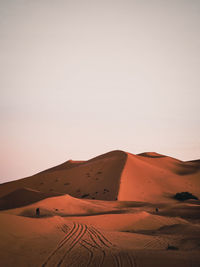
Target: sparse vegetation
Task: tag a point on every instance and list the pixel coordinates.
(85, 195)
(170, 247)
(67, 184)
(105, 191)
(184, 196)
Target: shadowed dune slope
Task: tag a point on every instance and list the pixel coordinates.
(149, 177)
(64, 166)
(21, 197)
(98, 178)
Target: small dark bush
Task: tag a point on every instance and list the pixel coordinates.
(184, 196)
(86, 195)
(67, 184)
(171, 247)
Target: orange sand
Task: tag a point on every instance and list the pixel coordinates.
(78, 226)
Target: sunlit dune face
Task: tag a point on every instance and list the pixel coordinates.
(116, 207)
(116, 175)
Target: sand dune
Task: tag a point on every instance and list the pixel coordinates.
(64, 166)
(157, 178)
(64, 206)
(116, 175)
(97, 241)
(116, 209)
(21, 197)
(97, 178)
(130, 222)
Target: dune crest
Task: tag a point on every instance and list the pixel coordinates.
(156, 179)
(151, 155)
(116, 175)
(116, 209)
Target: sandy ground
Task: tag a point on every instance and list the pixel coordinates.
(74, 232)
(145, 226)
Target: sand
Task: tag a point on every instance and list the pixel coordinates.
(117, 226)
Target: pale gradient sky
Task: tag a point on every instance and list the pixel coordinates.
(79, 78)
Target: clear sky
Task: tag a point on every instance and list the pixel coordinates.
(79, 78)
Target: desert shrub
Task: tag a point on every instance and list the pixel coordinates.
(86, 195)
(184, 196)
(106, 190)
(170, 247)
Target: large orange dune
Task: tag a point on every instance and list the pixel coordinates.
(117, 209)
(115, 175)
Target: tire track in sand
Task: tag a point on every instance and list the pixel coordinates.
(89, 239)
(119, 262)
(99, 247)
(81, 233)
(97, 231)
(90, 250)
(73, 230)
(105, 242)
